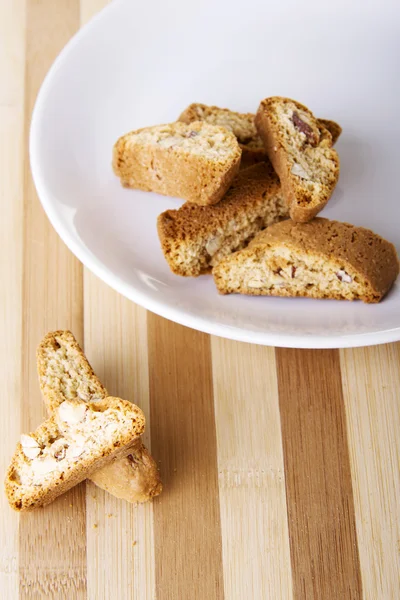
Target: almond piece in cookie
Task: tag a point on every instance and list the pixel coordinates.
(195, 162)
(65, 374)
(300, 149)
(320, 259)
(73, 444)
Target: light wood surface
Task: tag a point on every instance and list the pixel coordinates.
(280, 467)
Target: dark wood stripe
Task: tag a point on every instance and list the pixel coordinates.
(186, 516)
(322, 529)
(51, 540)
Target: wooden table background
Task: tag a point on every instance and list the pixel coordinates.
(280, 467)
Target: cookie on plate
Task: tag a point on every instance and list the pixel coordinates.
(319, 259)
(243, 127)
(195, 238)
(241, 124)
(196, 162)
(334, 129)
(300, 149)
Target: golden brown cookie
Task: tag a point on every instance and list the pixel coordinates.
(195, 238)
(65, 374)
(243, 127)
(300, 149)
(195, 162)
(319, 259)
(79, 438)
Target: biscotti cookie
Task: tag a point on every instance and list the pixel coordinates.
(243, 127)
(241, 124)
(300, 149)
(195, 238)
(65, 374)
(67, 448)
(64, 371)
(195, 162)
(334, 129)
(320, 259)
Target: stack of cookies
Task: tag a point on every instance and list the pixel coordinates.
(87, 435)
(253, 185)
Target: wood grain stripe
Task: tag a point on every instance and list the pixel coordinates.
(186, 515)
(254, 525)
(120, 544)
(319, 493)
(52, 540)
(371, 384)
(118, 347)
(89, 8)
(12, 69)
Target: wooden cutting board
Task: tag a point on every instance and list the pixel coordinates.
(280, 467)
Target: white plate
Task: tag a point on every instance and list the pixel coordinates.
(142, 63)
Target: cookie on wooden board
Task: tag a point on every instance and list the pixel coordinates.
(65, 374)
(78, 439)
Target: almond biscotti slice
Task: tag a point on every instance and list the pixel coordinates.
(243, 127)
(65, 374)
(241, 124)
(320, 259)
(196, 162)
(67, 448)
(195, 238)
(300, 149)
